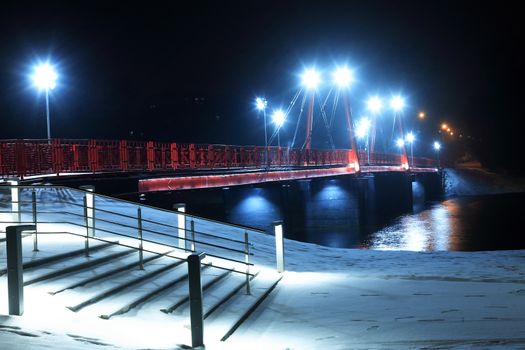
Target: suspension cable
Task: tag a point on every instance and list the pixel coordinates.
(325, 119)
(299, 120)
(288, 110)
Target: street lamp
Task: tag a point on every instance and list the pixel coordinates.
(311, 79)
(343, 77)
(410, 139)
(278, 118)
(362, 130)
(260, 104)
(44, 78)
(437, 147)
(397, 103)
(374, 105)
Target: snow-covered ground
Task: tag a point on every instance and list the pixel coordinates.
(472, 180)
(329, 298)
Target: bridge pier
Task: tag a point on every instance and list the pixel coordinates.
(393, 193)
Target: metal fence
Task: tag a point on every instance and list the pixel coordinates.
(58, 209)
(39, 157)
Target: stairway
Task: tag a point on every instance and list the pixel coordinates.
(110, 284)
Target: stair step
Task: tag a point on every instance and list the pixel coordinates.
(109, 273)
(250, 310)
(227, 297)
(78, 267)
(148, 296)
(121, 287)
(186, 298)
(58, 257)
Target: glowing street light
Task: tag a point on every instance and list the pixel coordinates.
(343, 77)
(421, 115)
(44, 78)
(400, 142)
(374, 104)
(278, 119)
(362, 127)
(437, 147)
(397, 103)
(311, 79)
(361, 131)
(444, 126)
(410, 139)
(260, 104)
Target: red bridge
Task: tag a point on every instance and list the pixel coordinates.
(182, 166)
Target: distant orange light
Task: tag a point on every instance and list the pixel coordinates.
(421, 115)
(448, 129)
(451, 133)
(444, 126)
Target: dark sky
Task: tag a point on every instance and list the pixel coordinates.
(188, 72)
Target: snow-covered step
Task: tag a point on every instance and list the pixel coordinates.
(59, 257)
(225, 298)
(207, 285)
(244, 316)
(108, 273)
(149, 295)
(123, 286)
(78, 267)
(238, 308)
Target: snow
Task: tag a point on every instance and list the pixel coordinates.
(474, 180)
(329, 298)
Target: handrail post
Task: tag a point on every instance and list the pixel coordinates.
(90, 196)
(139, 229)
(192, 231)
(15, 201)
(195, 293)
(181, 224)
(279, 245)
(86, 241)
(15, 277)
(33, 208)
(247, 261)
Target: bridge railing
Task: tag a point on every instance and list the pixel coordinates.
(39, 157)
(378, 158)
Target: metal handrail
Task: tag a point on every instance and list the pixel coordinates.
(199, 242)
(124, 225)
(146, 250)
(134, 203)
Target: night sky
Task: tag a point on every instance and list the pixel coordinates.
(189, 72)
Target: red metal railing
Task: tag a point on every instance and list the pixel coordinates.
(38, 157)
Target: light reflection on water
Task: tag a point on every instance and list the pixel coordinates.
(429, 230)
(459, 224)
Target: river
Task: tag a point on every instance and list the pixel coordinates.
(325, 213)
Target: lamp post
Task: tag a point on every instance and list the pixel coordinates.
(278, 118)
(362, 131)
(260, 104)
(310, 79)
(374, 105)
(45, 77)
(397, 104)
(410, 139)
(437, 147)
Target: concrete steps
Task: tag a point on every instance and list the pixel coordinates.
(109, 284)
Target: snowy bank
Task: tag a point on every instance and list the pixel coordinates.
(472, 181)
(330, 298)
